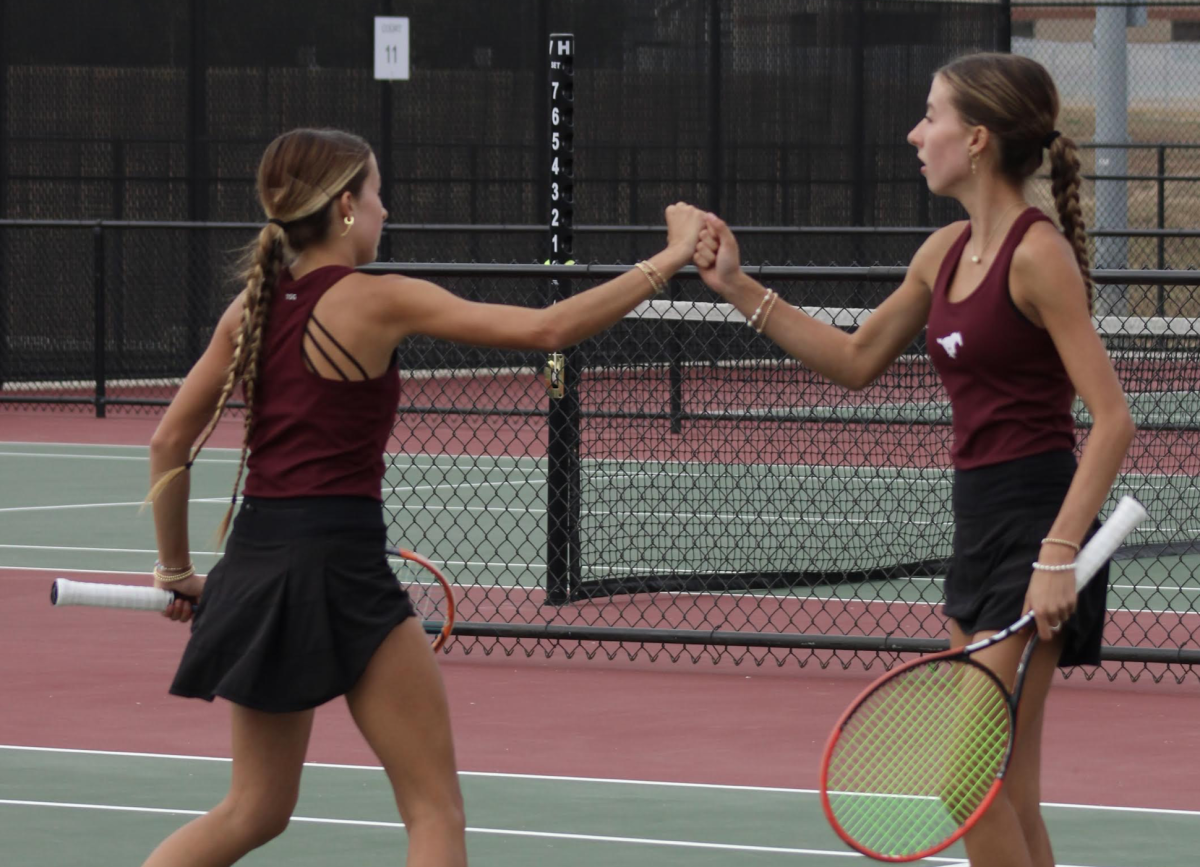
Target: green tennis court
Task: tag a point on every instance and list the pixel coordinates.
(483, 518)
(55, 807)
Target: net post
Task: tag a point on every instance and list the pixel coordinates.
(99, 335)
(562, 449)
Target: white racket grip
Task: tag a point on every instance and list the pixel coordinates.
(1128, 514)
(65, 592)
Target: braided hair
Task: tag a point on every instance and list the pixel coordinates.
(1016, 100)
(302, 173)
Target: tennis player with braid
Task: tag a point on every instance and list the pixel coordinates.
(1006, 299)
(303, 606)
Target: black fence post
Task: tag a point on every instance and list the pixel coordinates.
(4, 296)
(541, 119)
(197, 283)
(1162, 223)
(858, 132)
(100, 336)
(717, 157)
(384, 157)
(562, 422)
(117, 254)
(675, 353)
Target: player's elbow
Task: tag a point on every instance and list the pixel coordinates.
(855, 380)
(1123, 426)
(854, 374)
(168, 441)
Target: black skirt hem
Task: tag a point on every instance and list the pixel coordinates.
(1002, 512)
(245, 700)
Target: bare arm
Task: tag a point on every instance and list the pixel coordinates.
(421, 307)
(1046, 283)
(170, 447)
(853, 360)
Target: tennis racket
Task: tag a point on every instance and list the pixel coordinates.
(431, 594)
(918, 757)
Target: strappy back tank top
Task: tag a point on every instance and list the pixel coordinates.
(313, 436)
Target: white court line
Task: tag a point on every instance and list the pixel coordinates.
(456, 461)
(101, 505)
(506, 832)
(455, 563)
(615, 781)
(145, 573)
(454, 486)
(99, 550)
(142, 458)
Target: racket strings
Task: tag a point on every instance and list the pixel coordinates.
(916, 760)
(895, 816)
(885, 772)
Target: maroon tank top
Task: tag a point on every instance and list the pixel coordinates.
(1010, 395)
(314, 437)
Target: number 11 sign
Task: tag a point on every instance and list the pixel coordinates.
(391, 49)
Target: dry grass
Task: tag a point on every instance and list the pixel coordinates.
(1152, 125)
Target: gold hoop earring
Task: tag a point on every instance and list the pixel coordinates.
(349, 221)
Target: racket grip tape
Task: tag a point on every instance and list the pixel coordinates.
(66, 592)
(1128, 514)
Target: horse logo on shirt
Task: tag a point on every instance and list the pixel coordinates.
(951, 343)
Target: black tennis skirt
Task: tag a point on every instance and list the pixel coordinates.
(293, 612)
(1001, 514)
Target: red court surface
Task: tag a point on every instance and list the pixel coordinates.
(88, 679)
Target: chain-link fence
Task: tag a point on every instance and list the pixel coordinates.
(1128, 74)
(772, 112)
(720, 503)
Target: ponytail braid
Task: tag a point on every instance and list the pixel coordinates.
(1064, 185)
(262, 274)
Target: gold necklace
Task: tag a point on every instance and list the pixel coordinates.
(977, 258)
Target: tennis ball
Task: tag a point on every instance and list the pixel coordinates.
(568, 262)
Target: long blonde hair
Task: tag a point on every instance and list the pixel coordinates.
(1015, 98)
(301, 175)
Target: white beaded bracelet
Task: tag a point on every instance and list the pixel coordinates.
(766, 297)
(1060, 567)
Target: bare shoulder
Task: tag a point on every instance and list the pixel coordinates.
(1043, 257)
(231, 320)
(1044, 272)
(1042, 239)
(388, 290)
(928, 259)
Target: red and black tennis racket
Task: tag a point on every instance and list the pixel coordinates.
(921, 754)
(431, 593)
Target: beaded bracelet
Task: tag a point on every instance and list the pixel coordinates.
(1047, 567)
(172, 574)
(1049, 540)
(662, 281)
(657, 283)
(767, 313)
(758, 310)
